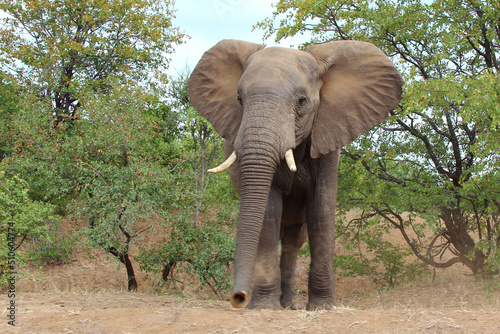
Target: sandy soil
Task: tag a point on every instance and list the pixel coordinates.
(144, 313)
(89, 296)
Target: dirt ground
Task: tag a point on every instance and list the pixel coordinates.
(88, 296)
(142, 313)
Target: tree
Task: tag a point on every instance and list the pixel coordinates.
(121, 180)
(64, 47)
(202, 147)
(201, 221)
(85, 134)
(437, 157)
(106, 170)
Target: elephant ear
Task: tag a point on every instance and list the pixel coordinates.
(213, 84)
(360, 86)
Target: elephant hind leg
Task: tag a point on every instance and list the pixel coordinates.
(292, 241)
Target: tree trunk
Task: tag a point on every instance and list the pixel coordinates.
(132, 281)
(458, 236)
(167, 269)
(125, 259)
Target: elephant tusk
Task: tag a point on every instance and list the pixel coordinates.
(225, 165)
(290, 161)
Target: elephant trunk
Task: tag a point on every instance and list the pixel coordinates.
(257, 174)
(260, 148)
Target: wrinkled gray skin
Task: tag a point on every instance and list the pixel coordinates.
(264, 101)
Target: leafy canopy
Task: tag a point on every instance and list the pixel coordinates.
(84, 131)
(64, 47)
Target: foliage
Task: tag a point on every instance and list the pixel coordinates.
(201, 148)
(66, 47)
(106, 168)
(436, 158)
(21, 220)
(206, 250)
(368, 252)
(83, 128)
(85, 134)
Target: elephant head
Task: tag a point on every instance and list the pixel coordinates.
(266, 102)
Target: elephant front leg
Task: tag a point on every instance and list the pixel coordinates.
(321, 279)
(266, 287)
(320, 218)
(294, 237)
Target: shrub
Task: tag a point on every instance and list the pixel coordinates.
(206, 250)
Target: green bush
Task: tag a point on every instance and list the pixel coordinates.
(370, 255)
(52, 248)
(21, 220)
(206, 250)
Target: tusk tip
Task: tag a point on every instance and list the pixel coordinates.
(225, 165)
(290, 161)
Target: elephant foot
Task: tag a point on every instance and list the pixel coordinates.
(290, 304)
(264, 305)
(317, 305)
(295, 306)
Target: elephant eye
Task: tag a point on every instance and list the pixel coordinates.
(240, 101)
(301, 101)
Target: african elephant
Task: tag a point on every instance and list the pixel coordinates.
(275, 105)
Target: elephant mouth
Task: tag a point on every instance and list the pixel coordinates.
(290, 161)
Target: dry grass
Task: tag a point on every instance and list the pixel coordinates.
(97, 276)
(90, 296)
(70, 300)
(452, 289)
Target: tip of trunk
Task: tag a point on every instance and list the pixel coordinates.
(239, 299)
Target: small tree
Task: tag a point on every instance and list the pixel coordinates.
(85, 136)
(65, 47)
(124, 184)
(201, 147)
